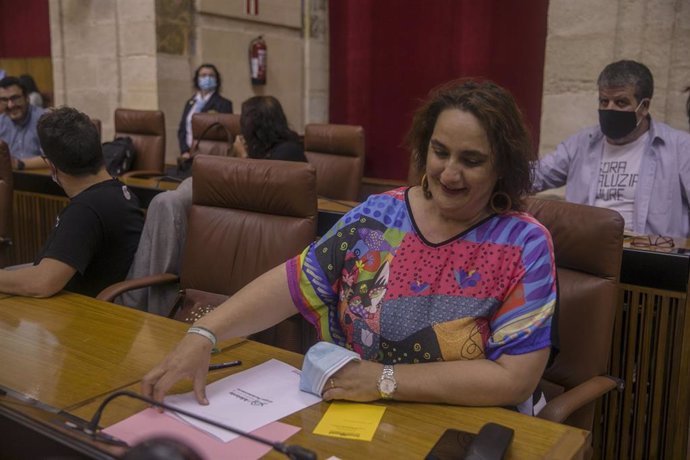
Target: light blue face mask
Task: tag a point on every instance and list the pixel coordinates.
(207, 83)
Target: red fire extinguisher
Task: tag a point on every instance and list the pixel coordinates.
(257, 61)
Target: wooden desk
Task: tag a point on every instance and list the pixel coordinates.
(407, 430)
(92, 348)
(71, 348)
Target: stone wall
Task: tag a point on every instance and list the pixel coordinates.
(104, 56)
(141, 54)
(225, 29)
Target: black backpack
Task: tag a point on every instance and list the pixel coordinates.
(119, 155)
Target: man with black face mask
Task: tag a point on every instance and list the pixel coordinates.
(629, 163)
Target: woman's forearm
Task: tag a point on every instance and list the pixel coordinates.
(261, 304)
(508, 381)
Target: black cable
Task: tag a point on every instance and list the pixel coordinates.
(293, 452)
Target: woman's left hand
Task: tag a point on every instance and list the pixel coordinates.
(356, 381)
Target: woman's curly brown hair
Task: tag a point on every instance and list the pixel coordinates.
(500, 117)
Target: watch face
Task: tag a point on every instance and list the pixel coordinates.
(387, 386)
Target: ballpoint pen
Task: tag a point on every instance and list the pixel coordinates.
(213, 367)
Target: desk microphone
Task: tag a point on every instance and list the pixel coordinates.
(294, 452)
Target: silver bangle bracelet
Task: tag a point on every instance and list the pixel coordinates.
(203, 332)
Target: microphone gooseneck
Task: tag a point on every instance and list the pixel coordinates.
(293, 452)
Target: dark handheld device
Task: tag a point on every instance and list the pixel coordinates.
(451, 445)
(491, 443)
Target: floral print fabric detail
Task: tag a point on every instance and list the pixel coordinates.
(373, 285)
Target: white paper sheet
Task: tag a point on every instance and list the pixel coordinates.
(248, 400)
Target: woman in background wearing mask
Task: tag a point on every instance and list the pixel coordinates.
(207, 99)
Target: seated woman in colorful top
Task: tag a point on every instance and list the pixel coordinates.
(446, 290)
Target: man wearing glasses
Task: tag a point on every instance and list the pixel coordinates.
(18, 125)
(629, 162)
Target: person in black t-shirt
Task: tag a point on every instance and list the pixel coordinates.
(95, 237)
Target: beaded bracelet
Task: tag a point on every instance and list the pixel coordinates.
(203, 332)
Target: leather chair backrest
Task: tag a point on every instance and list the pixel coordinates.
(337, 153)
(216, 140)
(6, 191)
(99, 128)
(247, 216)
(588, 246)
(147, 130)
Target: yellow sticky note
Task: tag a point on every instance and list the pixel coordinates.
(350, 421)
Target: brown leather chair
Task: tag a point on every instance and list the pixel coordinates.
(214, 140)
(247, 216)
(6, 192)
(147, 130)
(588, 244)
(98, 125)
(337, 153)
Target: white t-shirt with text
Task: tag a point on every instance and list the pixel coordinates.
(619, 174)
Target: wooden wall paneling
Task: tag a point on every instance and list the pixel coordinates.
(34, 218)
(40, 68)
(663, 344)
(649, 419)
(678, 392)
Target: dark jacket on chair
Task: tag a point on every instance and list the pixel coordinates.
(216, 103)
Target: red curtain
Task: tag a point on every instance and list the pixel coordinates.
(387, 54)
(24, 29)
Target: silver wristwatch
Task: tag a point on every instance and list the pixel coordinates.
(387, 384)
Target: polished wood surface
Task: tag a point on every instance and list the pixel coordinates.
(407, 430)
(150, 182)
(71, 348)
(71, 351)
(335, 206)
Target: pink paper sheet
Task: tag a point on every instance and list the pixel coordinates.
(149, 423)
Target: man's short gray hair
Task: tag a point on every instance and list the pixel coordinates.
(622, 73)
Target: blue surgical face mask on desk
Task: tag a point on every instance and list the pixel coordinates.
(322, 361)
(207, 83)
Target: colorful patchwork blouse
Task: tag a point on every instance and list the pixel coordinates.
(374, 285)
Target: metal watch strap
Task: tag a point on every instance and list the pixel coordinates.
(388, 373)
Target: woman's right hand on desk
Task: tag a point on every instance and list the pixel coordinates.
(189, 359)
